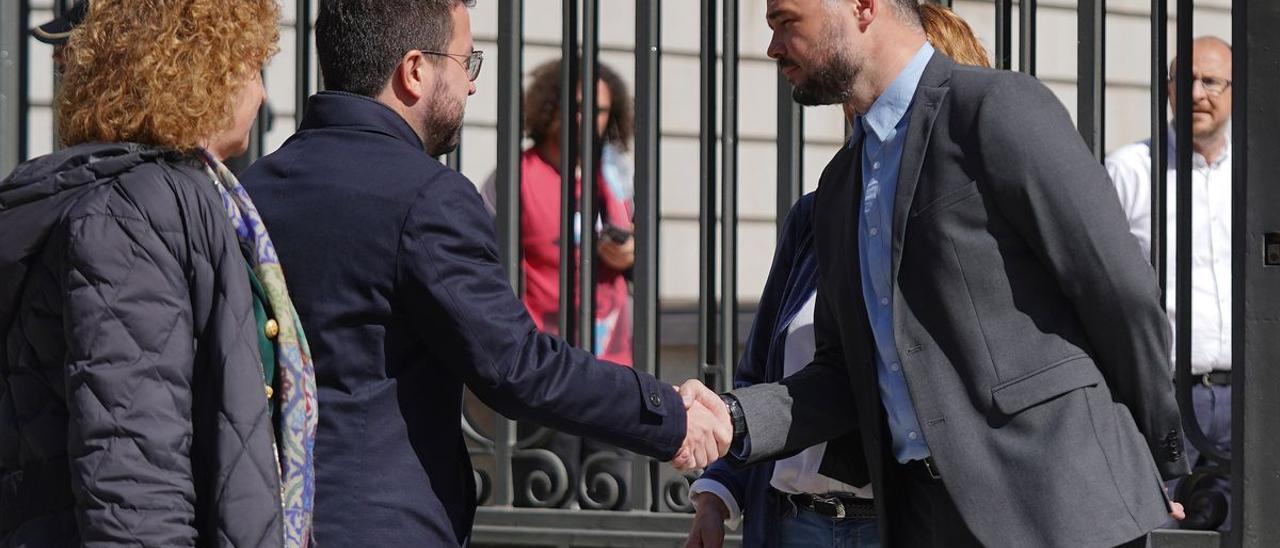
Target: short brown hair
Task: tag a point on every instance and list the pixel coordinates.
(360, 42)
(542, 104)
(162, 72)
(952, 35)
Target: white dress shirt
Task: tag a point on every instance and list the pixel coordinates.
(1130, 169)
(798, 473)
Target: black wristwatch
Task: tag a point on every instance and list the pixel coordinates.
(736, 416)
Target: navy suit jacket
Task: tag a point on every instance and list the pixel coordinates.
(392, 264)
(792, 279)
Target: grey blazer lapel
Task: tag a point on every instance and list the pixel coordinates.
(919, 128)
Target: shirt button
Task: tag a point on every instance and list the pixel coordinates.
(271, 329)
(875, 165)
(875, 231)
(894, 366)
(884, 301)
(912, 435)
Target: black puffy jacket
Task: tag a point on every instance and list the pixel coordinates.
(131, 403)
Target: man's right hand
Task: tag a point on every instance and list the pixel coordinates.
(709, 430)
(708, 522)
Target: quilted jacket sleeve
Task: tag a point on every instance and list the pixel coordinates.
(129, 367)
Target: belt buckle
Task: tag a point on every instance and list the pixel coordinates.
(837, 507)
(1204, 379)
(932, 468)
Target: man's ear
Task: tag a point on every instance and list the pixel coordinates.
(866, 11)
(410, 80)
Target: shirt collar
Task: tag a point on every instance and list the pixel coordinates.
(893, 104)
(1197, 159)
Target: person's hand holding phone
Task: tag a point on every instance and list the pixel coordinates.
(617, 248)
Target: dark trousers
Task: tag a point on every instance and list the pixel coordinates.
(924, 516)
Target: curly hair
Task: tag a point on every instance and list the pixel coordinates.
(542, 105)
(162, 72)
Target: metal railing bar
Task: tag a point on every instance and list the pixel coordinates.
(707, 204)
(1159, 140)
(568, 162)
(302, 26)
(1090, 74)
(1255, 471)
(59, 8)
(790, 151)
(454, 158)
(1027, 36)
(729, 194)
(647, 199)
(587, 200)
(510, 109)
(1004, 34)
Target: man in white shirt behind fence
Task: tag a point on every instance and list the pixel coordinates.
(1130, 169)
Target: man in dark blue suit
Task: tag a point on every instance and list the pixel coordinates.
(393, 266)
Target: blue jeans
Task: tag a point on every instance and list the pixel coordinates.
(804, 528)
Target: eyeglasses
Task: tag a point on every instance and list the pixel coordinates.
(1212, 85)
(470, 63)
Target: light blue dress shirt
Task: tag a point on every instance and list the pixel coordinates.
(885, 129)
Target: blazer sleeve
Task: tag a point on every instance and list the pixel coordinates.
(1059, 199)
(459, 295)
(129, 366)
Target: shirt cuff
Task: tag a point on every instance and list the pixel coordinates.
(706, 485)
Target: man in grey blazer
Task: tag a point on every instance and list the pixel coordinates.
(980, 298)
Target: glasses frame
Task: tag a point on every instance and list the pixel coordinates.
(1226, 84)
(470, 63)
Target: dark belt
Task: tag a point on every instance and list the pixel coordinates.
(834, 506)
(923, 469)
(1213, 378)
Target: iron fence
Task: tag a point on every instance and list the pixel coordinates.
(660, 497)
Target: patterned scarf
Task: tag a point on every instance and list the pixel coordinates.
(296, 426)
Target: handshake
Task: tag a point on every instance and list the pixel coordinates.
(709, 430)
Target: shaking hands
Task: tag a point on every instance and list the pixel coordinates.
(709, 429)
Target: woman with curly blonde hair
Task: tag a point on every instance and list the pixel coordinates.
(156, 388)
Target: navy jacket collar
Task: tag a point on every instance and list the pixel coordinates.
(329, 109)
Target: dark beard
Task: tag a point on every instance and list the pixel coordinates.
(831, 77)
(829, 85)
(443, 126)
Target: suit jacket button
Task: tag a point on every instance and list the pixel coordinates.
(655, 399)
